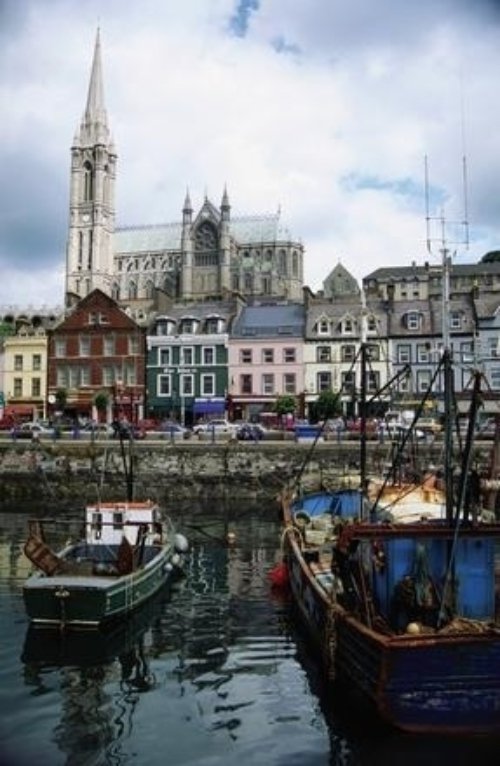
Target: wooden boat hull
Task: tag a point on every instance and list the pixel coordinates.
(433, 683)
(90, 600)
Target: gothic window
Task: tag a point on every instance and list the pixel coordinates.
(206, 245)
(266, 285)
(132, 291)
(248, 282)
(282, 262)
(236, 282)
(91, 242)
(80, 249)
(88, 182)
(115, 291)
(150, 289)
(295, 264)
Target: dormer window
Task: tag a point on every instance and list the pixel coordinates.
(371, 324)
(165, 327)
(347, 326)
(188, 326)
(413, 320)
(323, 328)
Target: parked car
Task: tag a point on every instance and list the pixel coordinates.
(250, 432)
(216, 426)
(33, 430)
(172, 430)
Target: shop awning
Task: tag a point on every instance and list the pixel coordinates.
(215, 406)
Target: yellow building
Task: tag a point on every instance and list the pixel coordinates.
(25, 373)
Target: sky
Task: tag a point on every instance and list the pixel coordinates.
(321, 109)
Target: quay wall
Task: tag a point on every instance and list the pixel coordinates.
(65, 473)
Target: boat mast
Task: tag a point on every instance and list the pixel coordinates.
(362, 413)
(448, 381)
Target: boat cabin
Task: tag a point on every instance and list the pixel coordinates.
(108, 523)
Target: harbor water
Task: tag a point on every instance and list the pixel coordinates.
(212, 672)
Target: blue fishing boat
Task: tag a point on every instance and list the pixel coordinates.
(396, 584)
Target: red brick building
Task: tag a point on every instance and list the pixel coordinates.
(96, 350)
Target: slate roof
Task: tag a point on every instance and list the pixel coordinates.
(258, 229)
(271, 321)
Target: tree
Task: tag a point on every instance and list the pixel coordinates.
(101, 400)
(492, 257)
(285, 404)
(328, 405)
(61, 398)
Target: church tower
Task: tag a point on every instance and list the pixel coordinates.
(89, 254)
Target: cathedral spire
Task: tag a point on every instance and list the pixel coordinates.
(95, 110)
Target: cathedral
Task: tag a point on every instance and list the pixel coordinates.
(205, 255)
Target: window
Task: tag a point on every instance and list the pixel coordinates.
(117, 520)
(246, 384)
(132, 291)
(403, 354)
(88, 182)
(423, 380)
(413, 320)
(495, 378)
(164, 357)
(164, 385)
(109, 345)
(60, 348)
(323, 354)
(133, 344)
(84, 345)
(324, 381)
(289, 355)
(187, 355)
(373, 381)
(207, 385)
(187, 385)
(268, 384)
(246, 356)
(188, 326)
(371, 324)
(18, 362)
(373, 352)
(37, 362)
(61, 377)
(347, 353)
(347, 326)
(18, 387)
(348, 382)
(323, 327)
(266, 285)
(248, 282)
(289, 385)
(423, 353)
(267, 355)
(208, 355)
(466, 353)
(455, 320)
(212, 325)
(36, 387)
(129, 374)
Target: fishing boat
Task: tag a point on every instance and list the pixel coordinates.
(121, 556)
(395, 582)
(127, 551)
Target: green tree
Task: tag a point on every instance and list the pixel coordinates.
(328, 405)
(101, 400)
(285, 404)
(492, 257)
(61, 398)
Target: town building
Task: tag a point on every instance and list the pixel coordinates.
(187, 362)
(266, 358)
(96, 363)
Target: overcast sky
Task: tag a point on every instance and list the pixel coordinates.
(323, 109)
